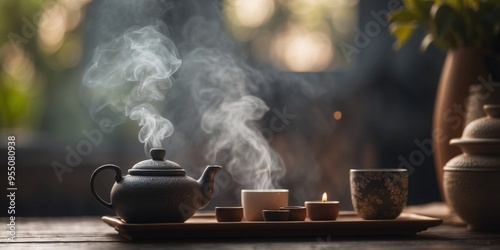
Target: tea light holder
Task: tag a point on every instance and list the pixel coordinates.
(322, 210)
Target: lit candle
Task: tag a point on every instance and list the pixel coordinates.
(322, 210)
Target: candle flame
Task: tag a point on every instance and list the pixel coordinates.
(324, 198)
(337, 115)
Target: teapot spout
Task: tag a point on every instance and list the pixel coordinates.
(206, 183)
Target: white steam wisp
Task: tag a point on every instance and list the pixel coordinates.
(128, 76)
(230, 114)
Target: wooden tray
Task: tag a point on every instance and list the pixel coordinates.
(204, 226)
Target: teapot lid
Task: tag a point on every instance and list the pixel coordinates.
(157, 165)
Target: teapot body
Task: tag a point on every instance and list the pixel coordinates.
(146, 199)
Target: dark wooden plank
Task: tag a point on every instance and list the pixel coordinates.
(62, 229)
(91, 233)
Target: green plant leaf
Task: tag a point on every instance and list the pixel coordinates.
(420, 8)
(411, 5)
(474, 4)
(403, 16)
(450, 23)
(456, 4)
(445, 19)
(402, 31)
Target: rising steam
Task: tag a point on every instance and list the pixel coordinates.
(128, 76)
(220, 86)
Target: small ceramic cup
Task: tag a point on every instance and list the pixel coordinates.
(229, 214)
(379, 193)
(254, 201)
(297, 213)
(275, 215)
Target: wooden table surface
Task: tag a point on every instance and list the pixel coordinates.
(92, 233)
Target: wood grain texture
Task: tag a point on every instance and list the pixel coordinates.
(92, 233)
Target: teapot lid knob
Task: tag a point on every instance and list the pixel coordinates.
(157, 154)
(492, 110)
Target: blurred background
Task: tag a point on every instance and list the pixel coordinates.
(352, 99)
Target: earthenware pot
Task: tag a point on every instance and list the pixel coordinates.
(472, 179)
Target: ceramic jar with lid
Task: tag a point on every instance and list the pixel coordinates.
(472, 179)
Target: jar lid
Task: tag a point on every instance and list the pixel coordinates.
(481, 136)
(157, 165)
(485, 127)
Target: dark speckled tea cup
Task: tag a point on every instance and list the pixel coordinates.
(379, 193)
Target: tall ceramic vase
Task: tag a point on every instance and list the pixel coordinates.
(463, 68)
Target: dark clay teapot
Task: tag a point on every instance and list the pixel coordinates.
(157, 190)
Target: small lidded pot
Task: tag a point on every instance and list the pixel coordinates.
(472, 179)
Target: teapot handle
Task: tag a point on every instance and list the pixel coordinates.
(118, 177)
